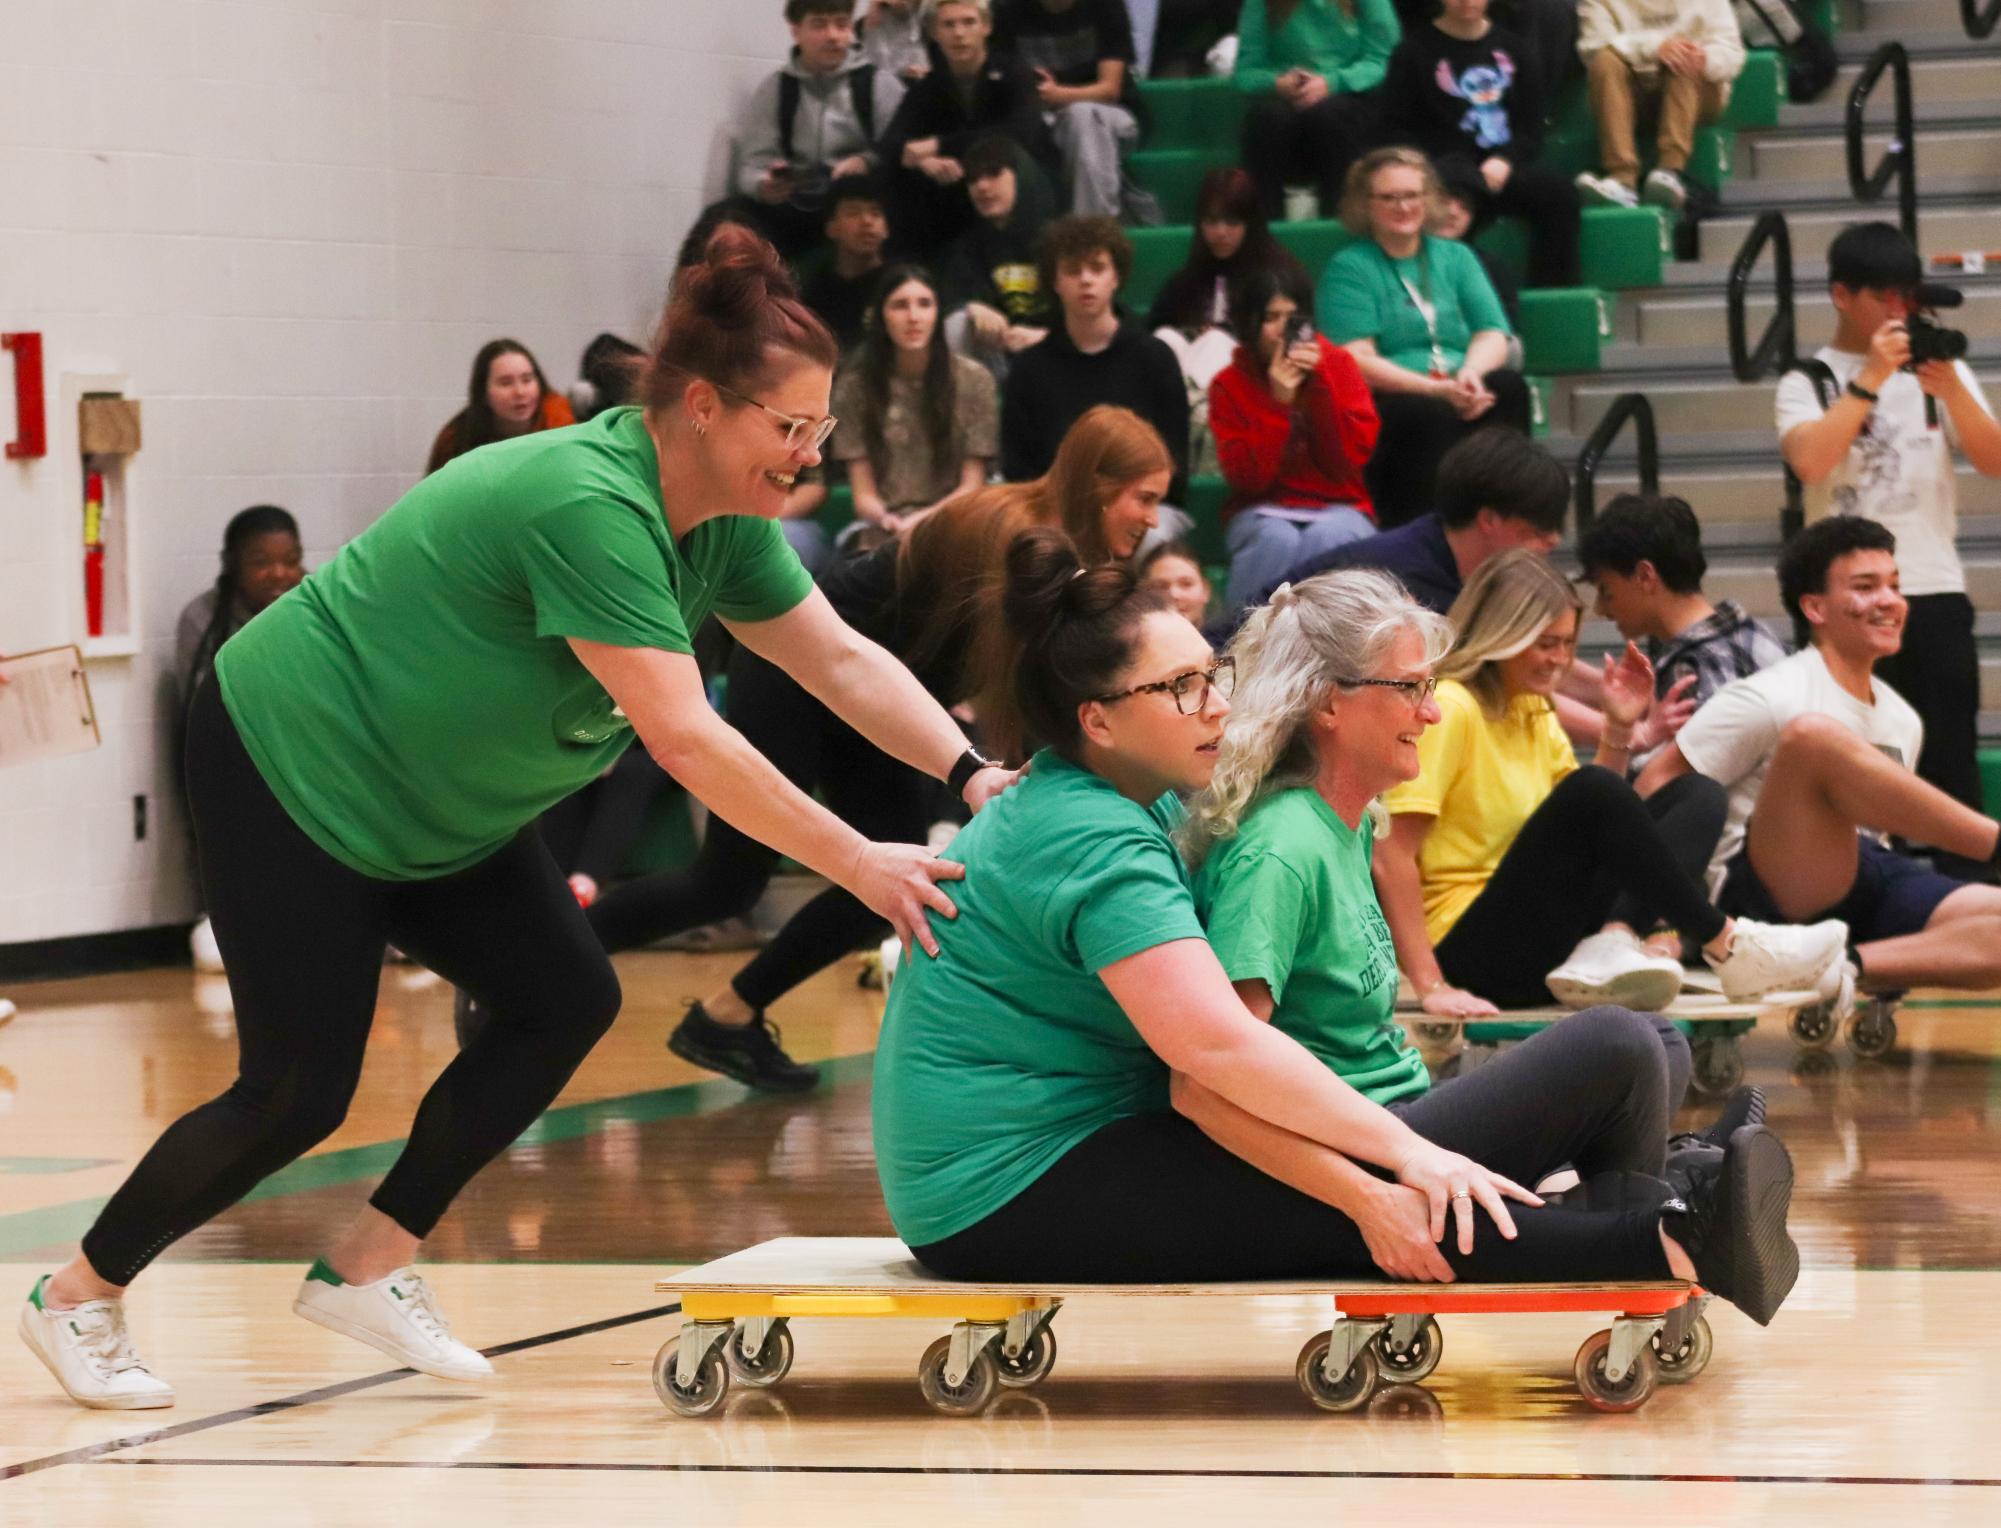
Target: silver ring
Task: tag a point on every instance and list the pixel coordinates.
(1463, 1194)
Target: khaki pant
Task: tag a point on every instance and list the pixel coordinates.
(1616, 92)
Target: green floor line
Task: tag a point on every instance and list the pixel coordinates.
(59, 1224)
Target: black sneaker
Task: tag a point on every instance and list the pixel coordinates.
(1692, 1154)
(468, 1018)
(748, 1052)
(1732, 1224)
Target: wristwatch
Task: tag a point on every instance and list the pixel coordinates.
(1857, 390)
(970, 763)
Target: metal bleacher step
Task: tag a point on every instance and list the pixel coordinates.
(1968, 147)
(1688, 404)
(1901, 18)
(1697, 320)
(1945, 224)
(1964, 74)
(1748, 494)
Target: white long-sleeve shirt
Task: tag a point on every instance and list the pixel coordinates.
(1635, 30)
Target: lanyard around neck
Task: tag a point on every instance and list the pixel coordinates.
(1420, 298)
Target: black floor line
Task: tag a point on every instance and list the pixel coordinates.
(310, 1397)
(1103, 1473)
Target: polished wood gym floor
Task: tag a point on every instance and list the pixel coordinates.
(1875, 1397)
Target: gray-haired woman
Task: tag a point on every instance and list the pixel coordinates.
(1334, 689)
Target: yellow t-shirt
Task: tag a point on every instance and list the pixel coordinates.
(1482, 779)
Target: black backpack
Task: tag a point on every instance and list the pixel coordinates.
(1810, 58)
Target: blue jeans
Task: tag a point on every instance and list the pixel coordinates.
(1265, 540)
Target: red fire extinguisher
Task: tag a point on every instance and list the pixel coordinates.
(93, 552)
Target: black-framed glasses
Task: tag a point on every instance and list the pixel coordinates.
(795, 428)
(1416, 691)
(1190, 690)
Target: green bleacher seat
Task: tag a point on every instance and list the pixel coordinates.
(1561, 328)
(839, 509)
(1990, 780)
(1174, 176)
(1192, 114)
(1206, 498)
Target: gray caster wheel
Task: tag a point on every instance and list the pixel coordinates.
(764, 1368)
(1813, 1027)
(967, 1398)
(1030, 1366)
(1688, 1360)
(1407, 1366)
(1348, 1393)
(1436, 1033)
(1719, 1065)
(1872, 1032)
(1630, 1393)
(712, 1381)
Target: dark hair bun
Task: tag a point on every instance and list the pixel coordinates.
(1048, 585)
(738, 275)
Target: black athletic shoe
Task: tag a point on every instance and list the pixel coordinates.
(748, 1052)
(1691, 1154)
(468, 1018)
(1732, 1223)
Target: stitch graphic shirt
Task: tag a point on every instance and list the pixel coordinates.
(1465, 100)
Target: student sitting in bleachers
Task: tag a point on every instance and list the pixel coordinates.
(507, 395)
(1294, 427)
(1191, 312)
(857, 228)
(1312, 69)
(1510, 874)
(892, 38)
(1817, 754)
(1461, 88)
(813, 122)
(1093, 356)
(1458, 199)
(1644, 553)
(1081, 53)
(977, 93)
(993, 283)
(1420, 316)
(1188, 31)
(1677, 56)
(917, 423)
(1497, 491)
(1173, 569)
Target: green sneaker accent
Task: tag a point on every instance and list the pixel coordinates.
(35, 1294)
(324, 1274)
(395, 1291)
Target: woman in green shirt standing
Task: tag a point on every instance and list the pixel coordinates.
(1421, 317)
(1312, 68)
(370, 763)
(1026, 1080)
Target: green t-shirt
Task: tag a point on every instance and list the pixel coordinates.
(1007, 1050)
(1289, 901)
(1350, 53)
(413, 703)
(1363, 296)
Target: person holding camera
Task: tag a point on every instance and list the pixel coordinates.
(1294, 425)
(1871, 427)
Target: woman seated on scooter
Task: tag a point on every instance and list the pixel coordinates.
(1025, 1126)
(1509, 873)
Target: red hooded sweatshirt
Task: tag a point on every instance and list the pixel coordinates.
(1303, 456)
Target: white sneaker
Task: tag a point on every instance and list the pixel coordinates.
(1663, 188)
(202, 945)
(1783, 957)
(1611, 967)
(1604, 191)
(90, 1353)
(7, 1010)
(397, 1315)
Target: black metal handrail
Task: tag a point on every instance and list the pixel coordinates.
(1900, 160)
(1627, 408)
(1977, 19)
(1775, 350)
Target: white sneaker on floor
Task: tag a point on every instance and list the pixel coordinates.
(202, 945)
(1611, 967)
(1604, 191)
(398, 1316)
(1663, 188)
(1783, 957)
(89, 1351)
(7, 1010)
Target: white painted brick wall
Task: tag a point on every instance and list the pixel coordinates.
(291, 223)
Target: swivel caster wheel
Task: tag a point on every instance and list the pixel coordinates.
(1814, 1027)
(1681, 1365)
(1436, 1033)
(768, 1365)
(712, 1381)
(1409, 1365)
(1628, 1394)
(970, 1396)
(1351, 1391)
(1872, 1032)
(1030, 1366)
(1719, 1066)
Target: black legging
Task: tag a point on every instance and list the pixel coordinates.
(1151, 1199)
(592, 832)
(1938, 671)
(303, 938)
(1417, 430)
(1544, 200)
(1283, 143)
(874, 794)
(1592, 852)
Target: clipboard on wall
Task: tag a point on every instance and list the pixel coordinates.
(45, 707)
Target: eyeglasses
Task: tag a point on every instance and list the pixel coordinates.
(795, 429)
(1416, 691)
(1397, 198)
(1195, 685)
